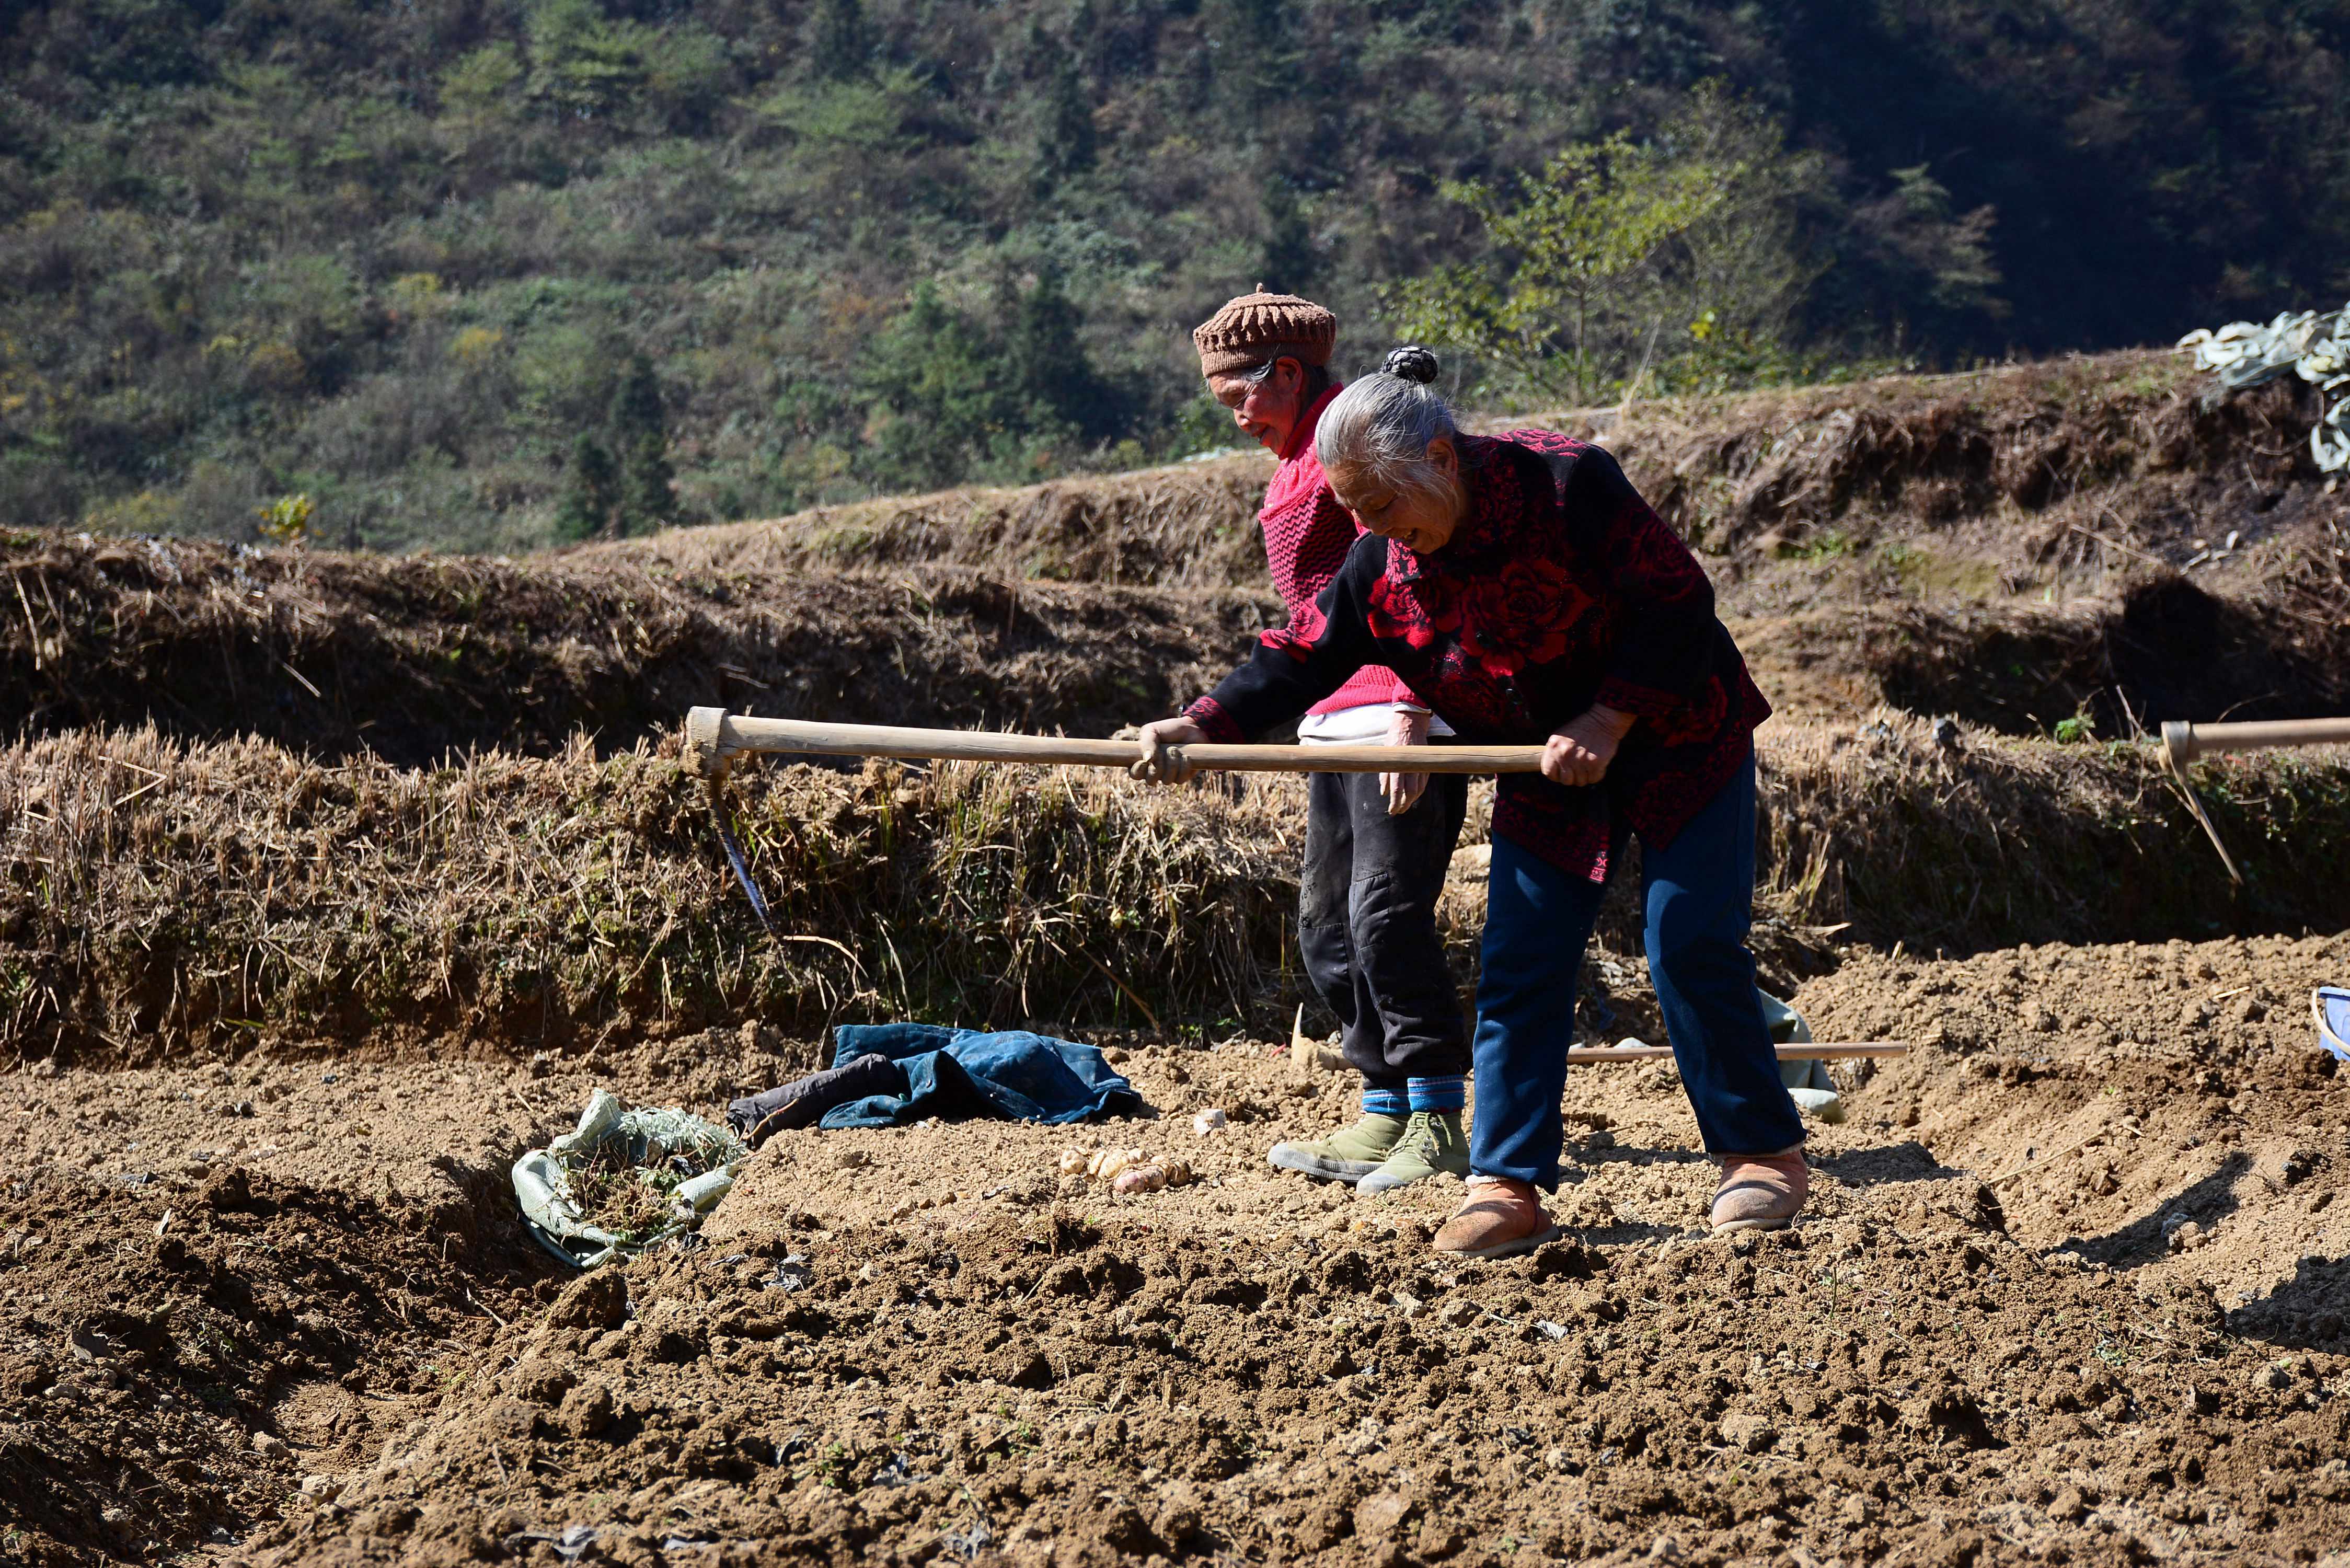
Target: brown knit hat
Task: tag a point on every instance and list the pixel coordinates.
(1235, 338)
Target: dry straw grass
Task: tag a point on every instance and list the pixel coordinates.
(1997, 841)
(160, 890)
(161, 894)
(411, 658)
(2120, 442)
(1191, 525)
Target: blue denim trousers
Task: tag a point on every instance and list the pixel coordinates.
(1698, 892)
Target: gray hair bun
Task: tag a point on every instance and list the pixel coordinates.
(1411, 362)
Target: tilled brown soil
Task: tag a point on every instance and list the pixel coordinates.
(216, 1281)
(2072, 1288)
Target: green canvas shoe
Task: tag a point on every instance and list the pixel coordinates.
(1433, 1143)
(1347, 1154)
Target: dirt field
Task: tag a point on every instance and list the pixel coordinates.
(2073, 1289)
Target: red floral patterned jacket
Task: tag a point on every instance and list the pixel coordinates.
(1561, 588)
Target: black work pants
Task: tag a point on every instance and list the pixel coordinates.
(1366, 924)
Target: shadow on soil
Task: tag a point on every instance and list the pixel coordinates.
(1906, 1161)
(2142, 1241)
(2307, 1312)
(226, 1296)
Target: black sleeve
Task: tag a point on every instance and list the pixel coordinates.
(1297, 666)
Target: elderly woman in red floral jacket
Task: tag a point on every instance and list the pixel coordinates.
(1377, 848)
(1521, 588)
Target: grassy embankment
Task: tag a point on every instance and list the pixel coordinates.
(162, 896)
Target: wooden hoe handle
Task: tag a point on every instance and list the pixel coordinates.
(715, 735)
(2184, 742)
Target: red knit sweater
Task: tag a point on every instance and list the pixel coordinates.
(1306, 536)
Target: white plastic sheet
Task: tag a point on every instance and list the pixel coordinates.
(2312, 344)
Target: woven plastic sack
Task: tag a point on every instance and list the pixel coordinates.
(1806, 1077)
(690, 1161)
(2332, 1005)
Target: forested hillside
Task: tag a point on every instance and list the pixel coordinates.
(483, 274)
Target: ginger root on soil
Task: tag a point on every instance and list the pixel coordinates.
(1107, 1163)
(1151, 1176)
(1127, 1170)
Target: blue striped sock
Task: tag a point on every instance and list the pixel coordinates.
(1437, 1093)
(1385, 1102)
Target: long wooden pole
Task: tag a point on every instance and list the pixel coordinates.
(2184, 742)
(715, 735)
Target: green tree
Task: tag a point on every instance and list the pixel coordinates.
(1574, 250)
(1255, 63)
(943, 385)
(638, 429)
(1066, 140)
(1290, 262)
(125, 43)
(636, 410)
(1947, 255)
(1745, 255)
(1055, 377)
(1735, 281)
(591, 492)
(961, 400)
(648, 487)
(686, 74)
(581, 67)
(478, 87)
(842, 46)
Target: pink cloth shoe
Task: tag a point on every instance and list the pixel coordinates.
(1500, 1219)
(1760, 1191)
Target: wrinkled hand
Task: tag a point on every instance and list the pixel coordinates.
(1156, 765)
(1579, 751)
(1406, 727)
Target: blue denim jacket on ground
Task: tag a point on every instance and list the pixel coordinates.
(960, 1073)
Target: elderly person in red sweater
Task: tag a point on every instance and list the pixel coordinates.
(1522, 589)
(1376, 846)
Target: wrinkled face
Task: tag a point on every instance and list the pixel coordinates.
(1421, 520)
(1268, 411)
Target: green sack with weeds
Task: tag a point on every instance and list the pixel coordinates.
(624, 1179)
